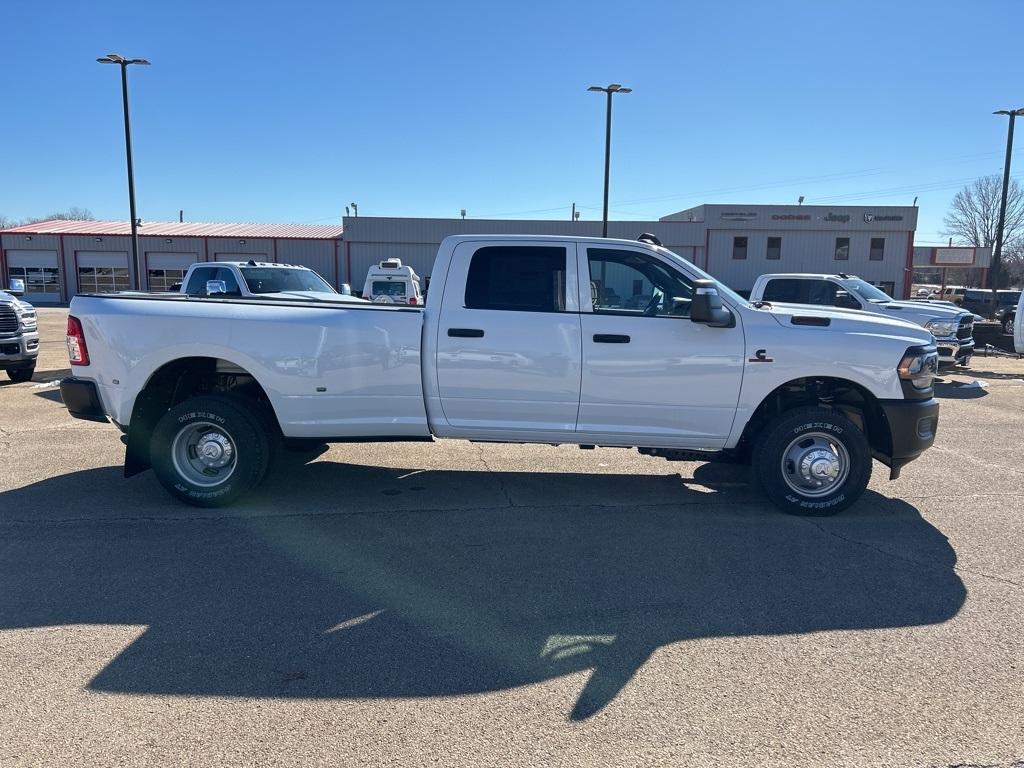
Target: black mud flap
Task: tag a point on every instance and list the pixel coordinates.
(136, 453)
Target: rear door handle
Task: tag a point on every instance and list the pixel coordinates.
(466, 333)
(611, 338)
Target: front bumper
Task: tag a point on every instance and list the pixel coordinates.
(82, 399)
(953, 351)
(912, 427)
(19, 351)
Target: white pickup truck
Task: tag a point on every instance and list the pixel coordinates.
(259, 280)
(524, 339)
(952, 327)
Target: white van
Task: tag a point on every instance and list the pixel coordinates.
(391, 283)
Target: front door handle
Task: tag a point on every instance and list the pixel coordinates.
(611, 338)
(466, 333)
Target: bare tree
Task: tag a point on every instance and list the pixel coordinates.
(974, 217)
(71, 214)
(974, 213)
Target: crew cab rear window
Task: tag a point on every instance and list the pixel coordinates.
(801, 291)
(517, 278)
(197, 283)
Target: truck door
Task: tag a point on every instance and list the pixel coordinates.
(508, 345)
(651, 376)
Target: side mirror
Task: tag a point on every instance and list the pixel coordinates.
(214, 287)
(345, 289)
(17, 287)
(706, 306)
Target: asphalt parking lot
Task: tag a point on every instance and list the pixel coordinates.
(464, 604)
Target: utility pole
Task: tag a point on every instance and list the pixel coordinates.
(997, 256)
(609, 90)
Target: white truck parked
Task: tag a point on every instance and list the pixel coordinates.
(952, 327)
(19, 335)
(392, 283)
(520, 345)
(258, 280)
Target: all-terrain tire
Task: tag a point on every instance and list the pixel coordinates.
(780, 440)
(243, 426)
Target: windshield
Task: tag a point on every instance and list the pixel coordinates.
(388, 288)
(866, 290)
(278, 279)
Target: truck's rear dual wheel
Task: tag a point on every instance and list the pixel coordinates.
(812, 461)
(210, 450)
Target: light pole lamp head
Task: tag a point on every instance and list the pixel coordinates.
(116, 58)
(1017, 112)
(612, 88)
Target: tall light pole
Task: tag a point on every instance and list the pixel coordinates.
(114, 58)
(610, 90)
(997, 257)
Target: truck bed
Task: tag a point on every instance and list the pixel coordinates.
(329, 369)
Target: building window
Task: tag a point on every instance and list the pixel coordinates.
(842, 249)
(774, 248)
(517, 279)
(161, 280)
(739, 247)
(102, 279)
(877, 248)
(37, 279)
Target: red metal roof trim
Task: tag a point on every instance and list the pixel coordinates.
(179, 229)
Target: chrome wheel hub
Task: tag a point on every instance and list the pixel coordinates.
(214, 450)
(204, 454)
(815, 464)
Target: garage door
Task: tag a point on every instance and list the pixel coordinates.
(102, 271)
(164, 270)
(41, 272)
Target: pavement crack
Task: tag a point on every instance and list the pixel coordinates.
(910, 560)
(501, 482)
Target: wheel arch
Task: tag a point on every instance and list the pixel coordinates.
(854, 400)
(176, 381)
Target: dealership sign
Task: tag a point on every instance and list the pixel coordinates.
(953, 256)
(870, 217)
(739, 215)
(842, 218)
(791, 217)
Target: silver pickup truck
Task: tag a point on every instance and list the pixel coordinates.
(19, 340)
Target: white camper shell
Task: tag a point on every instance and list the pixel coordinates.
(392, 283)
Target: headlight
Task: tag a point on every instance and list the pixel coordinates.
(919, 366)
(28, 320)
(943, 328)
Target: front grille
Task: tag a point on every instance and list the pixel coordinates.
(966, 328)
(8, 319)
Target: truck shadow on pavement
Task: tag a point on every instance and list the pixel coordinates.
(462, 582)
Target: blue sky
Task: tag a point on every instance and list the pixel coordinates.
(287, 111)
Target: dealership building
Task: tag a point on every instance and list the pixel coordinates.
(735, 243)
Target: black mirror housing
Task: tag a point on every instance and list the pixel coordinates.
(706, 306)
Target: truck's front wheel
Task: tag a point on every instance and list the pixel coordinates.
(209, 450)
(21, 375)
(812, 461)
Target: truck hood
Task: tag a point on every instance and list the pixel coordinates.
(314, 296)
(848, 321)
(7, 297)
(917, 311)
